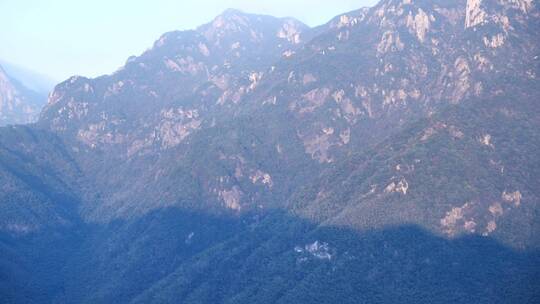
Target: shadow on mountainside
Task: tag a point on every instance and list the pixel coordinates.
(172, 255)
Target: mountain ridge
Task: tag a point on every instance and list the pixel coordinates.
(392, 141)
(209, 88)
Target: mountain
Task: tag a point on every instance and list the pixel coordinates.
(32, 80)
(19, 104)
(386, 156)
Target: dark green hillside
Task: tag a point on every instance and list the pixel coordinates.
(454, 173)
(172, 255)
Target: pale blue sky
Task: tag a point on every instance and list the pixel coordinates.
(61, 38)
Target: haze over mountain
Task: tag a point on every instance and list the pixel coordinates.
(22, 95)
(388, 156)
(61, 38)
(34, 81)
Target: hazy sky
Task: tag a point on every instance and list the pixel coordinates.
(61, 38)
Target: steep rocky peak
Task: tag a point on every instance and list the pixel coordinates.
(419, 12)
(424, 17)
(234, 17)
(398, 7)
(234, 23)
(482, 12)
(231, 20)
(476, 11)
(421, 18)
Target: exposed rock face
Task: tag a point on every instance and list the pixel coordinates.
(475, 14)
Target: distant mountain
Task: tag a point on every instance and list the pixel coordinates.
(20, 104)
(388, 156)
(32, 80)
